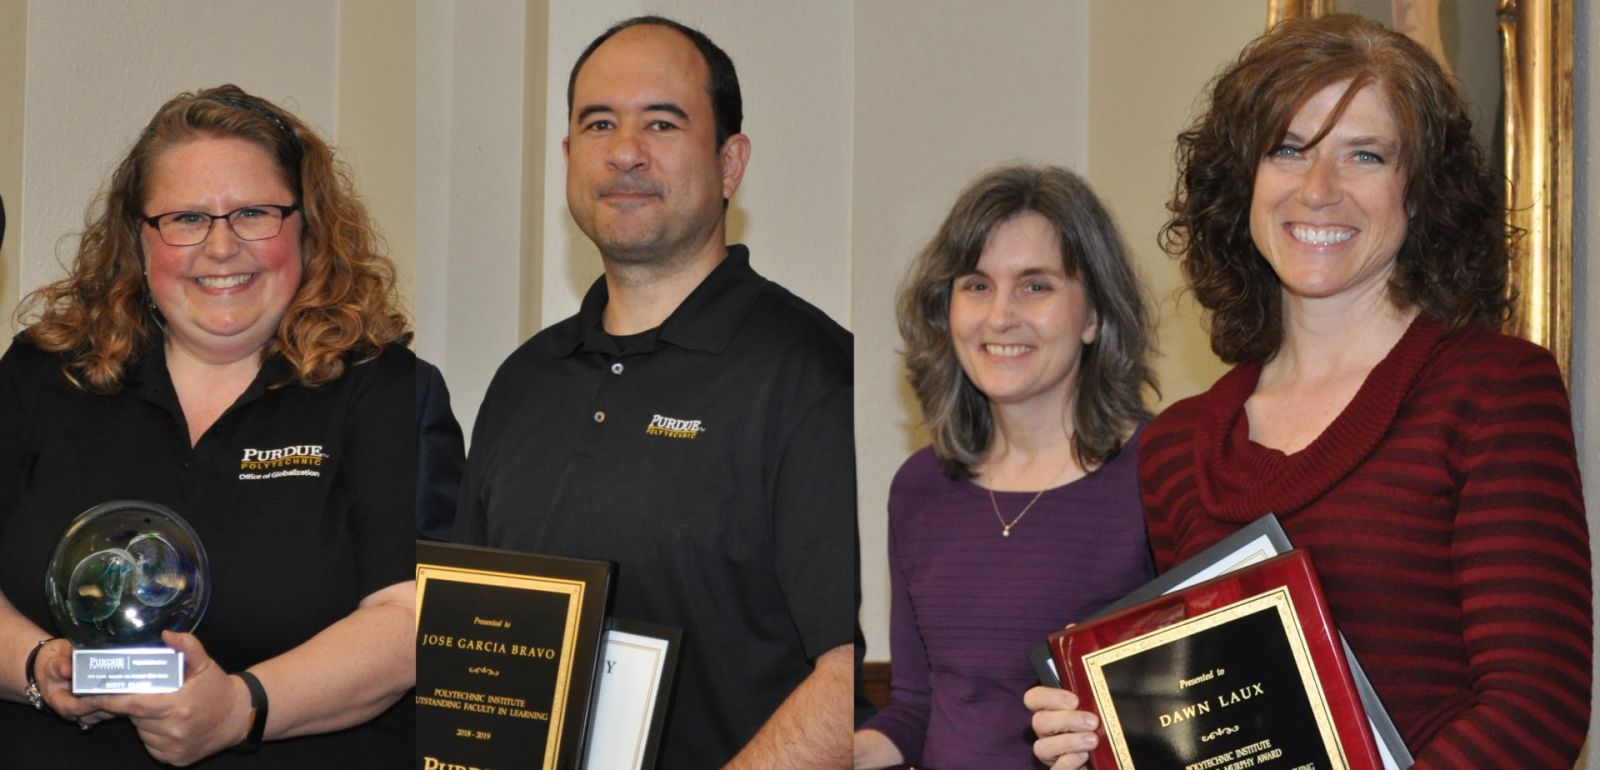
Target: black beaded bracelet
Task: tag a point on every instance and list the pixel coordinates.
(35, 698)
(258, 714)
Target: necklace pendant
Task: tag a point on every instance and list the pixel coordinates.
(1005, 532)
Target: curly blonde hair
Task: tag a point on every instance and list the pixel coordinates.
(101, 314)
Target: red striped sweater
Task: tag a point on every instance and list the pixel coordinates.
(1443, 511)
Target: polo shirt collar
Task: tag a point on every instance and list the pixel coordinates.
(704, 321)
(147, 374)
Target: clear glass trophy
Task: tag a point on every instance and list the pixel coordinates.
(123, 572)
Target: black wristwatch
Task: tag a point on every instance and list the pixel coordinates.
(35, 698)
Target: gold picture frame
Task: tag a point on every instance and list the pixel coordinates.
(1536, 40)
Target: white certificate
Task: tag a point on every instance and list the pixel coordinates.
(630, 703)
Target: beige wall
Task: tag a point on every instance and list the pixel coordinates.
(1137, 105)
(376, 121)
(536, 88)
(13, 65)
(472, 123)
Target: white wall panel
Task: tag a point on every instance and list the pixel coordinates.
(469, 190)
(97, 71)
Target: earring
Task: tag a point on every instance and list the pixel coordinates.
(150, 301)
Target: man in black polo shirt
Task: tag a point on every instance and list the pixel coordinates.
(692, 423)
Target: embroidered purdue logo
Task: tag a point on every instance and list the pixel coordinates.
(672, 427)
(297, 460)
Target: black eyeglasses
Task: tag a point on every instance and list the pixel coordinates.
(248, 223)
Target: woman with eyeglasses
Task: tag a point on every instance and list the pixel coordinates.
(227, 343)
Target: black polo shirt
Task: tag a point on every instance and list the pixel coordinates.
(302, 497)
(715, 464)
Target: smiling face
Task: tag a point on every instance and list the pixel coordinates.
(645, 179)
(1017, 321)
(223, 298)
(1330, 219)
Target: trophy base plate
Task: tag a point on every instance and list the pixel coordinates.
(126, 670)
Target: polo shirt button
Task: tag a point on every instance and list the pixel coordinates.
(616, 368)
(599, 417)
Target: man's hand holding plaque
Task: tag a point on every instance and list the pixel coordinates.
(1242, 671)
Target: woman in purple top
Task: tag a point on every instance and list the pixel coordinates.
(1025, 336)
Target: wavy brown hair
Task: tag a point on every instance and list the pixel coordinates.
(1114, 369)
(1453, 262)
(346, 308)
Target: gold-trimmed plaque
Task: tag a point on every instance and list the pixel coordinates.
(507, 657)
(1240, 671)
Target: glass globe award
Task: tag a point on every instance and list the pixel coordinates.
(123, 572)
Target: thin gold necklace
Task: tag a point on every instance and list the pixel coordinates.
(1005, 529)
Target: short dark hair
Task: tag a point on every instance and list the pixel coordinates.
(727, 104)
(1452, 264)
(1115, 369)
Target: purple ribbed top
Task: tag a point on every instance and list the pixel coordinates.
(968, 604)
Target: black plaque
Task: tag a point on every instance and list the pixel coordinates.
(507, 657)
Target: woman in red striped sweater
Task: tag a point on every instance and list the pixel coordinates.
(1337, 221)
